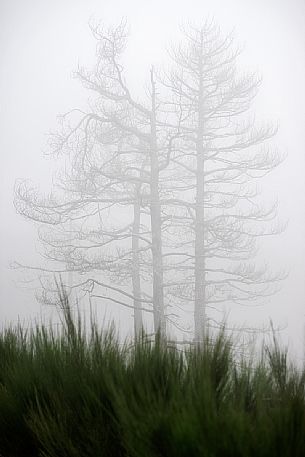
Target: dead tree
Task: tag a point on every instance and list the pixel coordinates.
(117, 149)
(157, 204)
(221, 153)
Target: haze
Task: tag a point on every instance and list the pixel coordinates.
(41, 44)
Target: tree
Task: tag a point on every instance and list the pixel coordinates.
(220, 154)
(156, 202)
(117, 154)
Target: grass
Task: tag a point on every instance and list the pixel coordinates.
(78, 393)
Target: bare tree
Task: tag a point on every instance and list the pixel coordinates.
(221, 153)
(117, 150)
(157, 204)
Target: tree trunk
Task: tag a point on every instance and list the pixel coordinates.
(199, 311)
(155, 215)
(136, 282)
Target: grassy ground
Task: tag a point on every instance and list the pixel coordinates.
(68, 394)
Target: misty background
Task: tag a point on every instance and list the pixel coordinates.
(41, 44)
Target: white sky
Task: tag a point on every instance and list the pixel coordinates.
(41, 43)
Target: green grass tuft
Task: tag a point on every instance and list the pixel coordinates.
(75, 393)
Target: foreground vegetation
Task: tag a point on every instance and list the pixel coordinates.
(76, 393)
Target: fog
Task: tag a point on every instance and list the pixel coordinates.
(41, 45)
